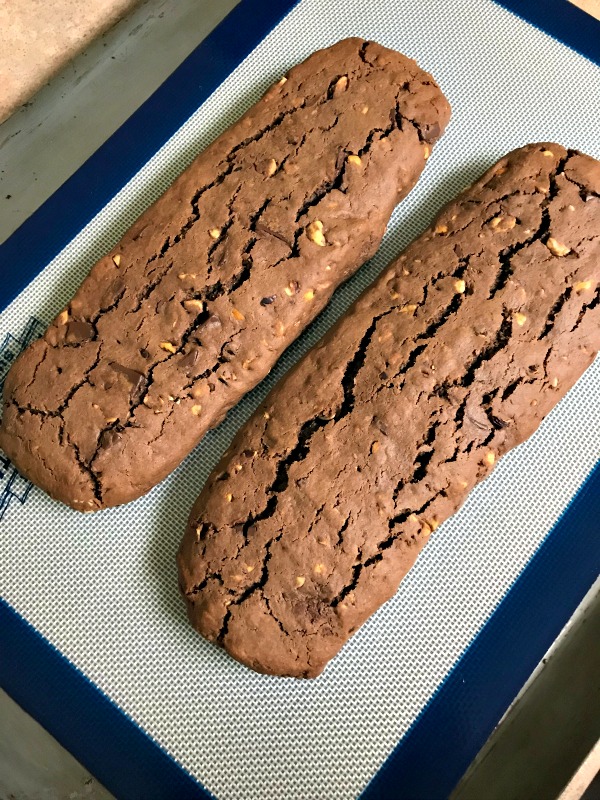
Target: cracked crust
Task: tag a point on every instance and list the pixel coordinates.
(203, 294)
(451, 358)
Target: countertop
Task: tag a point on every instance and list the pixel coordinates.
(39, 37)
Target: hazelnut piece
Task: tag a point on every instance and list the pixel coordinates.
(194, 306)
(340, 86)
(557, 248)
(502, 224)
(314, 232)
(520, 319)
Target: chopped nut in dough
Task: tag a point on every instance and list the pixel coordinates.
(503, 223)
(556, 248)
(314, 232)
(340, 86)
(194, 306)
(520, 319)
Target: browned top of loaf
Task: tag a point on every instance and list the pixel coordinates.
(451, 358)
(209, 286)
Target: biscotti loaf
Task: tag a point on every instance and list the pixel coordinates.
(200, 298)
(451, 358)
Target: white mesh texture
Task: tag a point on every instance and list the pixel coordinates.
(103, 587)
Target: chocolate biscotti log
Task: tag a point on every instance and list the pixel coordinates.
(451, 358)
(198, 301)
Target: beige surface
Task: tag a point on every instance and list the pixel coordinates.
(591, 6)
(584, 776)
(38, 37)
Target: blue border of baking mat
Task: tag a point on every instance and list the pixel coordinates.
(430, 759)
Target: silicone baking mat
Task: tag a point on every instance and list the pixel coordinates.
(94, 636)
